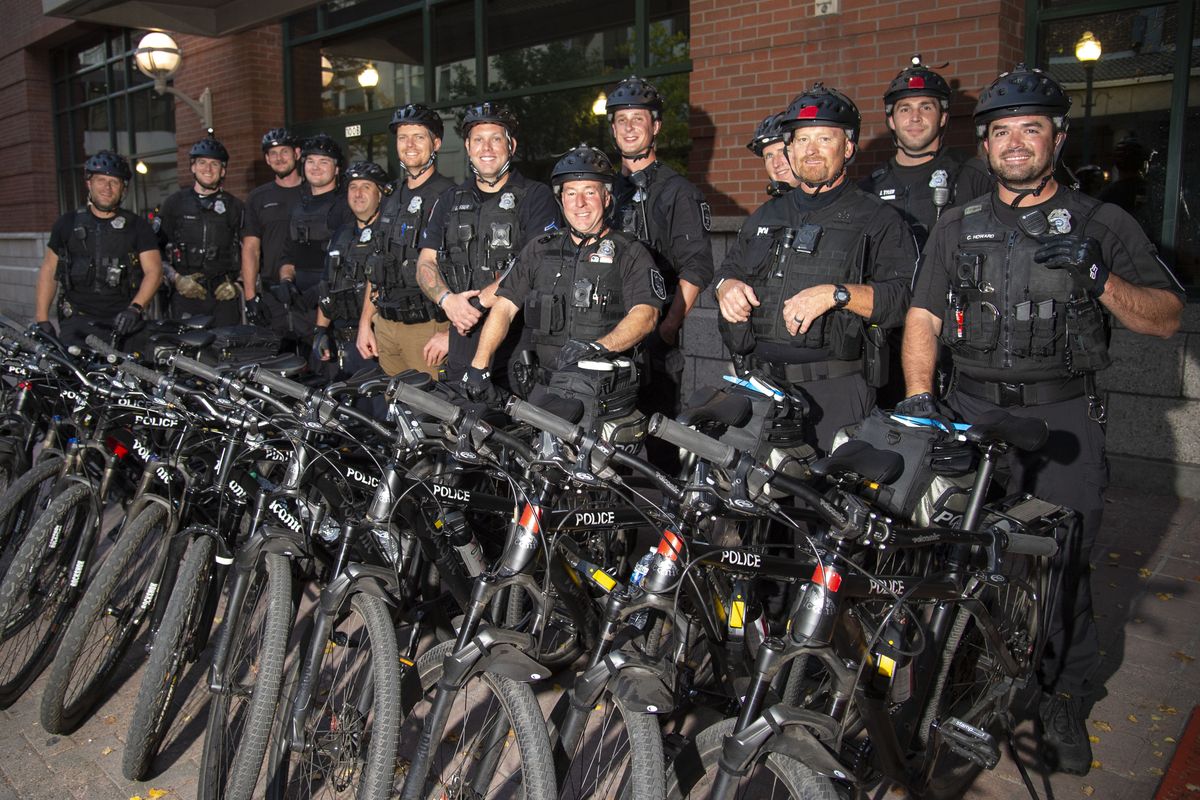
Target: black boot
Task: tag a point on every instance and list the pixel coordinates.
(1065, 745)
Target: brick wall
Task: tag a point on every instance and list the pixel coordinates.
(245, 74)
(750, 57)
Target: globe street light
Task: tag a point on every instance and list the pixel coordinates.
(158, 57)
(368, 79)
(1087, 51)
(600, 110)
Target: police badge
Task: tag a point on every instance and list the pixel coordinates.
(118, 222)
(606, 248)
(414, 205)
(939, 179)
(507, 201)
(1060, 220)
(219, 206)
(365, 236)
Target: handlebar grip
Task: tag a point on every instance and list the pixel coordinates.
(426, 403)
(141, 373)
(280, 384)
(27, 344)
(102, 347)
(716, 453)
(1025, 544)
(542, 419)
(194, 367)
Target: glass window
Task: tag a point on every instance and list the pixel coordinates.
(454, 50)
(160, 179)
(1186, 247)
(375, 147)
(670, 32)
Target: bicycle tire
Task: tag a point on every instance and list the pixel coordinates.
(606, 764)
(32, 588)
(24, 500)
(357, 709)
(168, 658)
(771, 776)
(91, 652)
(488, 706)
(236, 739)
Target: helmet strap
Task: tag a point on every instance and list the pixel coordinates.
(586, 238)
(413, 175)
(369, 219)
(491, 183)
(778, 188)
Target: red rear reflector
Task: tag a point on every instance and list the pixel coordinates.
(808, 112)
(916, 82)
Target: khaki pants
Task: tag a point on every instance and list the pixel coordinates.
(400, 344)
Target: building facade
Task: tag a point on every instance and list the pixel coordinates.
(69, 87)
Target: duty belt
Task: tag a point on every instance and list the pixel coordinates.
(1022, 394)
(810, 371)
(346, 334)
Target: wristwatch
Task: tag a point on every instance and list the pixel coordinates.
(841, 296)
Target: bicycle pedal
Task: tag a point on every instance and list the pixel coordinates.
(974, 744)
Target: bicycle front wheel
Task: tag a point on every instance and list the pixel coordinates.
(619, 755)
(494, 744)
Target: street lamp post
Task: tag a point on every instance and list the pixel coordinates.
(600, 110)
(368, 79)
(158, 58)
(1087, 51)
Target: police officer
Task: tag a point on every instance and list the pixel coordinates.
(321, 211)
(399, 323)
(812, 274)
(265, 228)
(767, 144)
(354, 251)
(104, 258)
(476, 230)
(1021, 285)
(924, 177)
(201, 225)
(587, 291)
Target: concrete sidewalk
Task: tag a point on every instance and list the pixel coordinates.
(1147, 586)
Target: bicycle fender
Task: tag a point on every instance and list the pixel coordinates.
(358, 578)
(270, 539)
(639, 682)
(785, 730)
(495, 650)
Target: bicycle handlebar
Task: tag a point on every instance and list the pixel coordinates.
(718, 454)
(141, 373)
(540, 418)
(280, 384)
(427, 403)
(194, 367)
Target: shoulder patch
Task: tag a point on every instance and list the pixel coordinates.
(657, 284)
(705, 216)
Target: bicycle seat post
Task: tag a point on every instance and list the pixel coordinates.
(983, 482)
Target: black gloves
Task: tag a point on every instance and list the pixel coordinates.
(925, 406)
(128, 320)
(479, 387)
(323, 347)
(575, 351)
(285, 292)
(1078, 255)
(45, 327)
(254, 312)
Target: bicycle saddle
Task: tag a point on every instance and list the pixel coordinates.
(860, 458)
(1024, 433)
(195, 323)
(726, 408)
(287, 365)
(196, 338)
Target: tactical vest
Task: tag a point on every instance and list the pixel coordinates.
(100, 259)
(352, 252)
(205, 236)
(309, 223)
(396, 294)
(480, 239)
(1010, 318)
(635, 217)
(821, 250)
(575, 295)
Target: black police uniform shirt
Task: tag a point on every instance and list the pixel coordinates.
(268, 210)
(676, 223)
(640, 281)
(221, 207)
(1126, 250)
(141, 238)
(887, 256)
(909, 190)
(309, 257)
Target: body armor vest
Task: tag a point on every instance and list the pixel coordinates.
(1010, 318)
(397, 295)
(920, 203)
(352, 252)
(309, 223)
(635, 216)
(100, 260)
(205, 236)
(822, 249)
(575, 294)
(481, 239)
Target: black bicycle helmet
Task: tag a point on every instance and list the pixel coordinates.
(277, 137)
(768, 132)
(634, 92)
(917, 80)
(582, 163)
(417, 114)
(489, 112)
(209, 147)
(821, 106)
(1024, 91)
(106, 162)
(368, 171)
(321, 145)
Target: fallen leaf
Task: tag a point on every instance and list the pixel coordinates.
(1158, 754)
(1132, 718)
(1165, 596)
(157, 793)
(1155, 716)
(136, 797)
(1170, 739)
(1101, 726)
(1094, 739)
(1168, 709)
(1155, 771)
(1096, 764)
(1088, 791)
(1143, 573)
(1137, 552)
(111, 719)
(106, 751)
(1184, 657)
(1114, 555)
(1191, 787)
